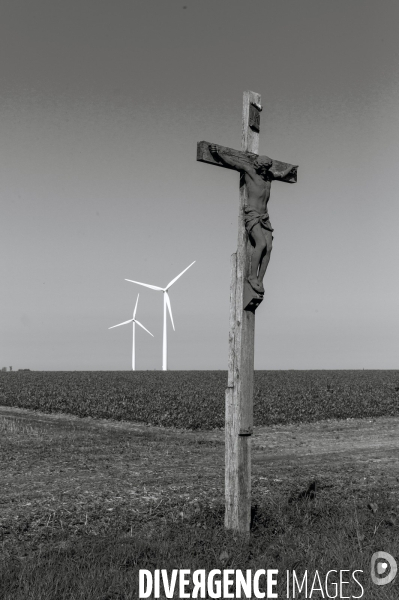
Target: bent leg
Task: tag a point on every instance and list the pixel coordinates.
(266, 257)
(260, 244)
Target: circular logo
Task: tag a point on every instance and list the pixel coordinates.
(383, 568)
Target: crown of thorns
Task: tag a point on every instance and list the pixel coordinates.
(263, 161)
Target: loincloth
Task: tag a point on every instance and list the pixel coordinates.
(252, 217)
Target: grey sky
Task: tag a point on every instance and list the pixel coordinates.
(101, 106)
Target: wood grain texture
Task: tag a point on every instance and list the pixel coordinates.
(239, 397)
(232, 318)
(205, 155)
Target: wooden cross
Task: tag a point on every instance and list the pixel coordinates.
(243, 303)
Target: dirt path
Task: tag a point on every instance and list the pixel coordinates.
(63, 473)
(370, 445)
(356, 450)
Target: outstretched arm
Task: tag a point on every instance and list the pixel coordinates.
(291, 169)
(232, 161)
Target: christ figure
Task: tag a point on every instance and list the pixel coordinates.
(258, 178)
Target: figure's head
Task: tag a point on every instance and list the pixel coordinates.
(262, 164)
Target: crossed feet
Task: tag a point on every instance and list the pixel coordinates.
(256, 285)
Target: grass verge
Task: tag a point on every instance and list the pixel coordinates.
(84, 507)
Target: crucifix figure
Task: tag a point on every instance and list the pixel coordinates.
(258, 177)
(248, 266)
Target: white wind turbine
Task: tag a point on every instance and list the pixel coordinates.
(166, 303)
(134, 321)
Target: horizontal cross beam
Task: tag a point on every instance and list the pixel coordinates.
(204, 155)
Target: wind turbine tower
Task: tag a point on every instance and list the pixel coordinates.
(134, 321)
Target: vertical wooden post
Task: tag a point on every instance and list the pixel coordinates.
(239, 393)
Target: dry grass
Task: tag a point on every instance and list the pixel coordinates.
(17, 430)
(86, 503)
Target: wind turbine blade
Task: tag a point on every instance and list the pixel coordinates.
(119, 324)
(153, 287)
(169, 308)
(176, 278)
(135, 308)
(138, 323)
